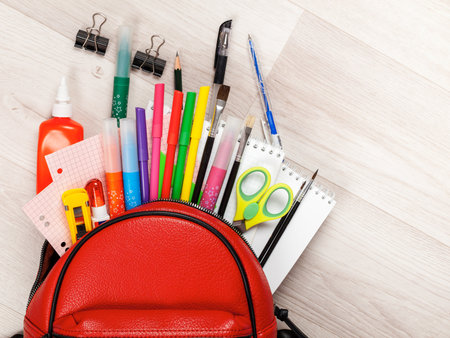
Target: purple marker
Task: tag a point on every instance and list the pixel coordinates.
(141, 129)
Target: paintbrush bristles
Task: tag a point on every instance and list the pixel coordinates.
(250, 121)
(315, 174)
(223, 93)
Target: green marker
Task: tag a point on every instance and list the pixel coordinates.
(122, 78)
(183, 143)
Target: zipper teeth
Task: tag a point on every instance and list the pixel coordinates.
(191, 204)
(36, 285)
(211, 213)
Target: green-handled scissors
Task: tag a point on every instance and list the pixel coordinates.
(252, 209)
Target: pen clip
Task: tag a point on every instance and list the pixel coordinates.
(226, 24)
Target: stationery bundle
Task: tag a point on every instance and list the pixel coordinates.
(202, 167)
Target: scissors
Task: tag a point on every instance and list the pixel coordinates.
(252, 209)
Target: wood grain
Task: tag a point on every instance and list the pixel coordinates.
(360, 90)
(414, 33)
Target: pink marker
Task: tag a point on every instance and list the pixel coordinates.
(221, 161)
(157, 127)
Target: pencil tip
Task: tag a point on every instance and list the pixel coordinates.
(177, 53)
(315, 174)
(249, 37)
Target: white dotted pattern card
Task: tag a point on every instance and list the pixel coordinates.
(71, 167)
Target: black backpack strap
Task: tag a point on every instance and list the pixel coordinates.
(282, 314)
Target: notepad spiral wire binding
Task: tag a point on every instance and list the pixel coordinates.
(258, 144)
(318, 188)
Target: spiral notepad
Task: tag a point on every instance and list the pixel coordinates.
(303, 226)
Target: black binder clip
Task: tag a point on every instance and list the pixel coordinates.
(149, 61)
(90, 39)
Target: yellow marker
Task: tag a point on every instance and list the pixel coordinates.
(196, 133)
(252, 208)
(78, 213)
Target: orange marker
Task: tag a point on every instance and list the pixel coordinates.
(113, 167)
(172, 140)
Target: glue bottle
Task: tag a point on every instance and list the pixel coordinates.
(56, 133)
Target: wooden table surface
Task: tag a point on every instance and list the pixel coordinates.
(360, 89)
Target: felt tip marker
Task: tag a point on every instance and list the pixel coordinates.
(131, 182)
(183, 143)
(141, 129)
(197, 127)
(113, 167)
(122, 78)
(221, 161)
(157, 127)
(172, 140)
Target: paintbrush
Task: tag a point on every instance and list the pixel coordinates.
(249, 122)
(284, 221)
(221, 101)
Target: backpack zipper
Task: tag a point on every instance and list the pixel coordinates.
(214, 231)
(37, 284)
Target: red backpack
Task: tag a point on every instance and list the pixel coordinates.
(166, 268)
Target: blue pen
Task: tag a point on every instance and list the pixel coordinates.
(276, 141)
(130, 166)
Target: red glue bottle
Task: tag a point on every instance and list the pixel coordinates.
(58, 132)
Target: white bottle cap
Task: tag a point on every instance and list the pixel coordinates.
(62, 106)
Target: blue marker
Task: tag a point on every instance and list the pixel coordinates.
(130, 165)
(276, 141)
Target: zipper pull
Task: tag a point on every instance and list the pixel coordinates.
(282, 314)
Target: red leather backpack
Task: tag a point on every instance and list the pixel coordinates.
(166, 268)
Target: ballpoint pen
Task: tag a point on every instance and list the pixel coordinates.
(183, 143)
(172, 140)
(268, 116)
(220, 61)
(284, 221)
(122, 78)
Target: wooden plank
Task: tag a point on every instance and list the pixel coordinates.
(373, 127)
(414, 33)
(190, 27)
(368, 274)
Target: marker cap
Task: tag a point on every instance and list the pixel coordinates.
(158, 107)
(129, 145)
(141, 129)
(186, 124)
(227, 142)
(111, 146)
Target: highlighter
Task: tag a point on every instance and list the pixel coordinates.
(122, 78)
(196, 133)
(130, 166)
(113, 167)
(141, 130)
(172, 140)
(157, 126)
(183, 144)
(221, 162)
